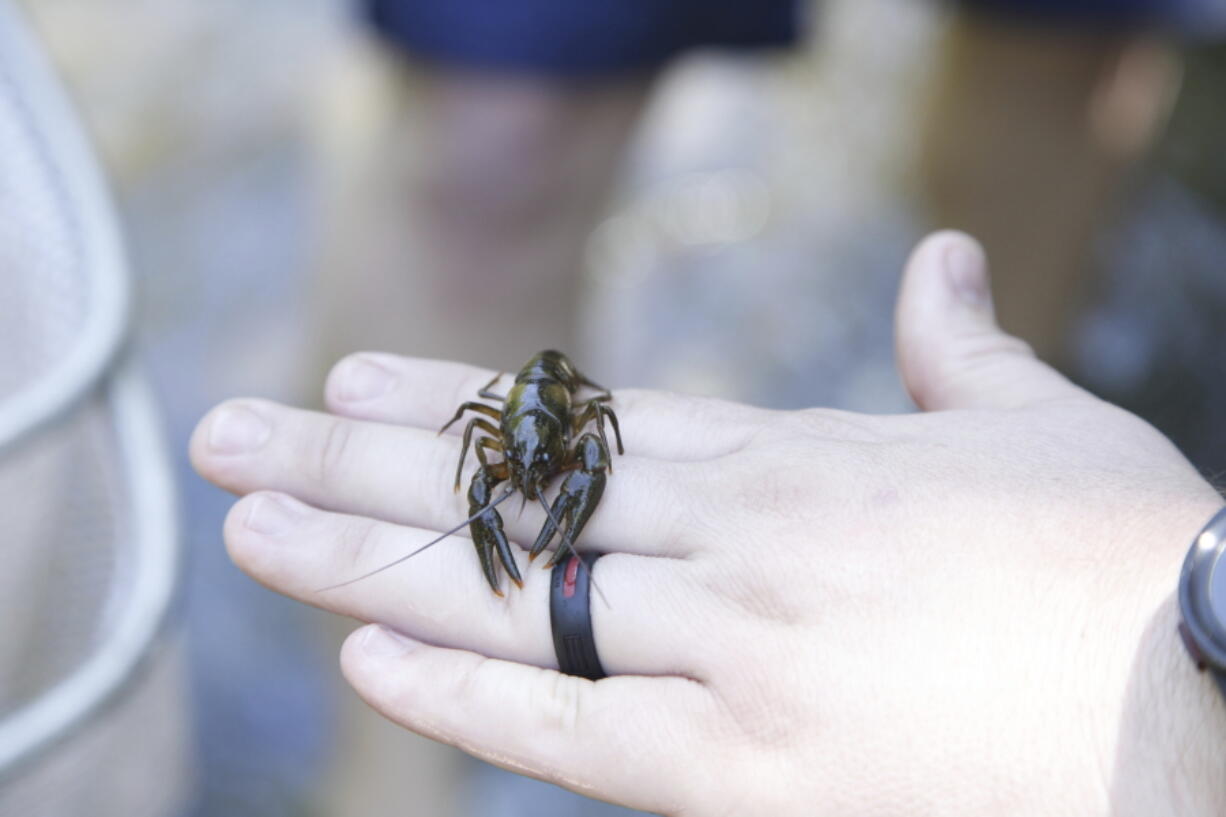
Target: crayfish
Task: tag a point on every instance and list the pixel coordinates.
(540, 416)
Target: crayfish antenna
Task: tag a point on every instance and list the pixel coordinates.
(567, 543)
(505, 495)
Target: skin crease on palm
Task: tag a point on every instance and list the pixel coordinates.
(966, 610)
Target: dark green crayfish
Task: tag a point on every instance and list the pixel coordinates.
(532, 442)
(539, 417)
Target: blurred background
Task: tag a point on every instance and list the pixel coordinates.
(721, 205)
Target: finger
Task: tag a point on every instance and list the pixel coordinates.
(407, 475)
(425, 393)
(950, 351)
(441, 595)
(627, 740)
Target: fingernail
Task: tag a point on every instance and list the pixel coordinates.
(966, 273)
(272, 514)
(237, 429)
(382, 642)
(363, 380)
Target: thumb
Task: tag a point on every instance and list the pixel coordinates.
(950, 351)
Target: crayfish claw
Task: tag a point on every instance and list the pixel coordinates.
(530, 434)
(485, 554)
(486, 527)
(506, 556)
(580, 494)
(549, 530)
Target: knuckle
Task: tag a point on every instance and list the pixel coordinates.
(747, 590)
(1013, 345)
(359, 542)
(630, 400)
(732, 420)
(561, 704)
(824, 425)
(467, 682)
(981, 355)
(762, 489)
(332, 452)
(672, 500)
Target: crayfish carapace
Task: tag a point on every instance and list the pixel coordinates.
(540, 417)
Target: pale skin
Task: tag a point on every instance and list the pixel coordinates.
(961, 611)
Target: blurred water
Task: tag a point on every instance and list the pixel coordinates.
(222, 272)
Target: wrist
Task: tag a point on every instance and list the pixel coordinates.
(1170, 753)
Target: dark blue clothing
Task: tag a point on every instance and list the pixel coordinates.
(1188, 17)
(579, 37)
(601, 37)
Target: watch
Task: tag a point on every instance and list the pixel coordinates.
(1202, 599)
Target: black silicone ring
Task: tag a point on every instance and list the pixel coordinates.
(570, 616)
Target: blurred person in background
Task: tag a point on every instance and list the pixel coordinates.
(522, 113)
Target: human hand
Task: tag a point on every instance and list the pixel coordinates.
(963, 611)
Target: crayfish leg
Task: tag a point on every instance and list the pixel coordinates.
(483, 443)
(595, 411)
(604, 393)
(485, 392)
(608, 412)
(472, 405)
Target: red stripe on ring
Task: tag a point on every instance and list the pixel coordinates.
(568, 579)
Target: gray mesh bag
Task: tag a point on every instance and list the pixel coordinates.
(93, 710)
